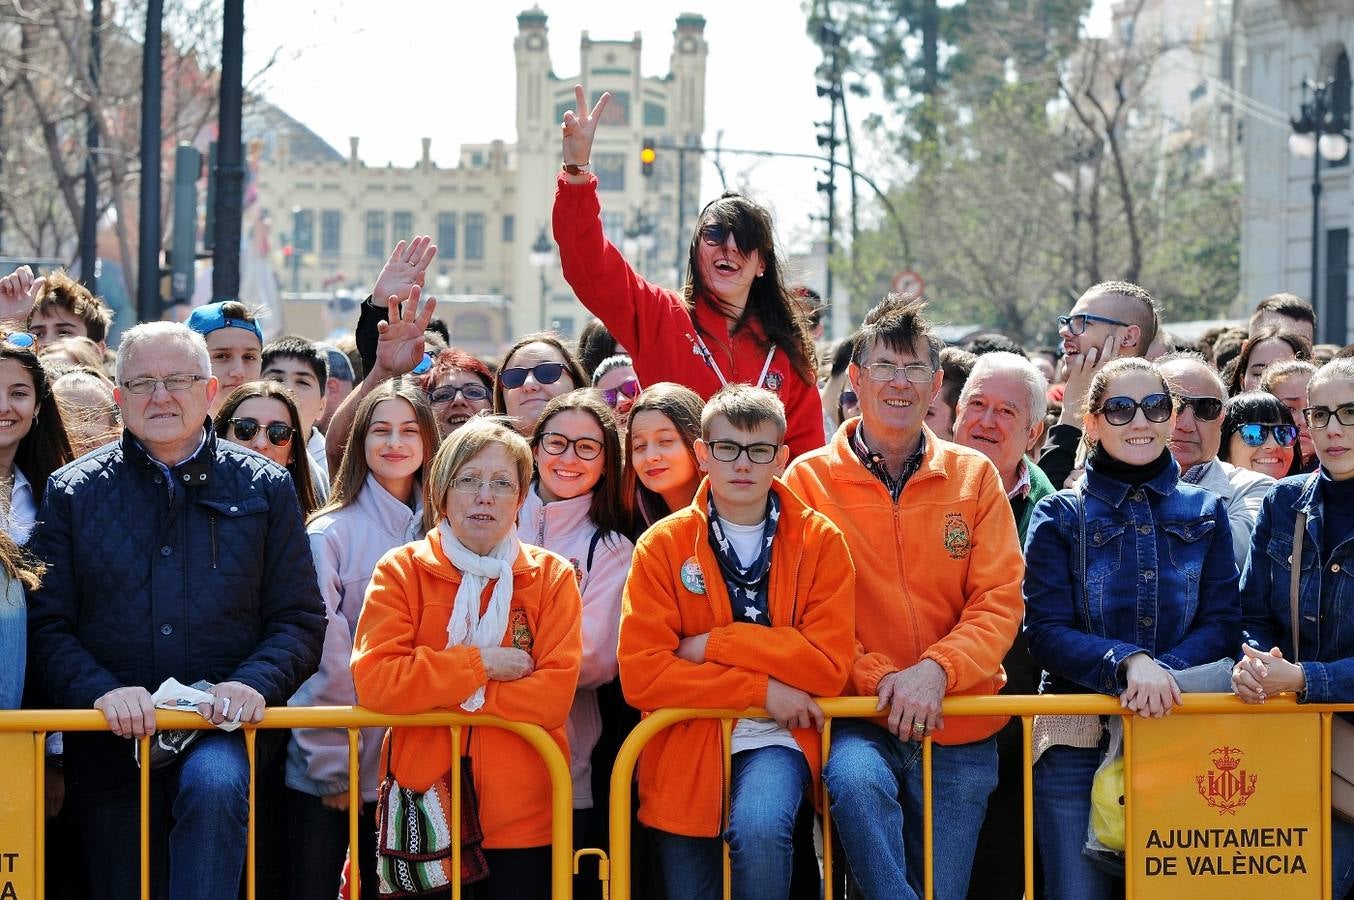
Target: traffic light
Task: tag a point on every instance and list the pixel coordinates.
(647, 155)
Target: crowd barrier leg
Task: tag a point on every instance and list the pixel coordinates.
(928, 834)
(250, 862)
(1327, 876)
(354, 817)
(1027, 823)
(144, 845)
(827, 814)
(1130, 864)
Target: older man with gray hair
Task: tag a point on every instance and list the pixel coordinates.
(1000, 414)
(1196, 437)
(170, 555)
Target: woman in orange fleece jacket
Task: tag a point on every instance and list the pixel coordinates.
(471, 620)
(743, 599)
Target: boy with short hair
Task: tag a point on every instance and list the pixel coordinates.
(65, 308)
(301, 365)
(743, 599)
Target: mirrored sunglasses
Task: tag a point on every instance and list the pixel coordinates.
(1254, 434)
(628, 388)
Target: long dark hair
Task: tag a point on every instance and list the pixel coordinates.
(1258, 407)
(1302, 349)
(352, 471)
(299, 462)
(769, 300)
(682, 406)
(46, 447)
(606, 510)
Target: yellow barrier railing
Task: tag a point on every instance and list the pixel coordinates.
(1023, 707)
(351, 719)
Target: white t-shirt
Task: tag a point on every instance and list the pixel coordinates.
(753, 734)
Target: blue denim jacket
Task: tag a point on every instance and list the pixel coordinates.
(1326, 605)
(1160, 577)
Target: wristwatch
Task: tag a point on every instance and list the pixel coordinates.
(577, 169)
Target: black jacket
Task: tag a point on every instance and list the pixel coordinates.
(215, 581)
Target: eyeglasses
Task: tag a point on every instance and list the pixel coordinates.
(499, 487)
(1253, 434)
(729, 451)
(1077, 324)
(1121, 410)
(915, 373)
(171, 383)
(1206, 409)
(1319, 416)
(628, 388)
(555, 444)
(279, 433)
(544, 373)
(473, 393)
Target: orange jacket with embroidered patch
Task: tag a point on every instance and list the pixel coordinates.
(938, 573)
(402, 665)
(807, 646)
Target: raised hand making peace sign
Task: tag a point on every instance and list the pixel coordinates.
(579, 128)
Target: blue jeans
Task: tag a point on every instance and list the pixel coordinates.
(875, 784)
(769, 785)
(199, 809)
(13, 649)
(1341, 856)
(1062, 811)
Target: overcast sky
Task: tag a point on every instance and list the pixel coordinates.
(393, 71)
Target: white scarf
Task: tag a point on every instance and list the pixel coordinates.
(467, 626)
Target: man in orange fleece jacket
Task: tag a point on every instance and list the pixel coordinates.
(743, 599)
(938, 604)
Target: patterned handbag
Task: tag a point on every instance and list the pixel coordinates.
(413, 839)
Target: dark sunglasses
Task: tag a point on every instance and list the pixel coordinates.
(628, 388)
(544, 373)
(473, 393)
(279, 435)
(715, 234)
(1253, 434)
(1206, 409)
(1121, 410)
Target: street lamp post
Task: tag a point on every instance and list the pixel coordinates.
(542, 255)
(1318, 133)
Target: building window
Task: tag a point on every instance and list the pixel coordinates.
(402, 221)
(331, 232)
(617, 112)
(610, 169)
(509, 226)
(474, 235)
(655, 115)
(563, 326)
(1334, 317)
(446, 235)
(1340, 96)
(375, 237)
(303, 227)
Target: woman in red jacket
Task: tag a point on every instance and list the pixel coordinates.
(734, 320)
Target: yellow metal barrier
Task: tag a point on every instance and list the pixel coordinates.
(1023, 707)
(40, 722)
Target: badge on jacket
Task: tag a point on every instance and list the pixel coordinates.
(692, 577)
(957, 540)
(522, 638)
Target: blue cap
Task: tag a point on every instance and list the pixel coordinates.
(209, 318)
(340, 366)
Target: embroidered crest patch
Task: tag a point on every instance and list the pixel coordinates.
(522, 638)
(693, 579)
(957, 539)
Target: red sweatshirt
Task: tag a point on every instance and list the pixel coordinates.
(653, 324)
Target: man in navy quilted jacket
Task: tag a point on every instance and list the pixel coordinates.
(170, 554)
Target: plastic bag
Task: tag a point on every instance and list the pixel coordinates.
(1105, 829)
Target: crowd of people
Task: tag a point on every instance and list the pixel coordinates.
(684, 509)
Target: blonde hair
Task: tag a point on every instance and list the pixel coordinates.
(463, 445)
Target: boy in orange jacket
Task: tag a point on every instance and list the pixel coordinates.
(743, 599)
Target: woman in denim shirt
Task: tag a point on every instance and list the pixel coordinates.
(1325, 673)
(1159, 593)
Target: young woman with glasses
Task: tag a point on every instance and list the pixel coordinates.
(1129, 576)
(1258, 433)
(574, 508)
(537, 369)
(459, 386)
(376, 505)
(733, 321)
(1321, 668)
(262, 416)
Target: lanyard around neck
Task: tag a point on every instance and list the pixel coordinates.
(704, 352)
